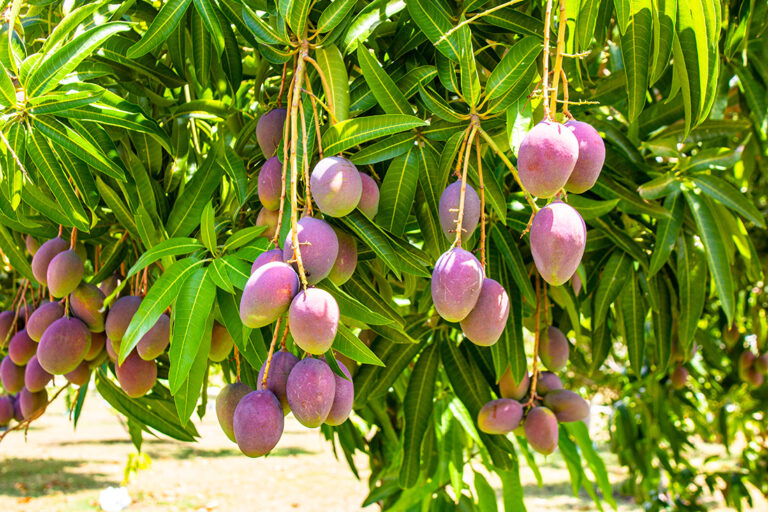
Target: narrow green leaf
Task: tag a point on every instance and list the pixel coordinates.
(384, 89)
(633, 311)
(296, 14)
(352, 132)
(119, 209)
(717, 257)
(398, 191)
(362, 291)
(208, 228)
(383, 150)
(503, 239)
(64, 60)
(160, 29)
(57, 181)
(331, 62)
(417, 411)
(351, 307)
(350, 345)
(185, 215)
(666, 232)
(374, 238)
(194, 301)
(434, 22)
(636, 40)
(513, 67)
(439, 106)
(165, 249)
(612, 281)
(10, 248)
(7, 90)
(188, 394)
(728, 195)
(209, 13)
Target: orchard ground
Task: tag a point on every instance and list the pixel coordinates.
(61, 470)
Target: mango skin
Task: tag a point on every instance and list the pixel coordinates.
(63, 345)
(547, 382)
(136, 376)
(65, 273)
(156, 340)
(500, 416)
(590, 160)
(226, 403)
(314, 319)
(448, 210)
(456, 283)
(270, 183)
(11, 375)
(541, 430)
(97, 346)
(554, 349)
(32, 404)
(21, 348)
(558, 236)
(31, 244)
(80, 375)
(86, 302)
(269, 130)
(120, 315)
(279, 368)
(346, 259)
(266, 257)
(42, 317)
(369, 198)
(258, 423)
(35, 376)
(221, 343)
(267, 294)
(336, 186)
(343, 398)
(567, 405)
(6, 410)
(310, 389)
(43, 257)
(6, 325)
(546, 158)
(318, 245)
(487, 320)
(508, 388)
(267, 218)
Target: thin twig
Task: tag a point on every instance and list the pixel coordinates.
(286, 133)
(282, 85)
(297, 82)
(237, 362)
(271, 352)
(475, 17)
(537, 335)
(331, 107)
(565, 101)
(545, 57)
(561, 24)
(307, 193)
(460, 216)
(482, 202)
(315, 100)
(25, 423)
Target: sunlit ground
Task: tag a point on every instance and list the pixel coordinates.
(59, 470)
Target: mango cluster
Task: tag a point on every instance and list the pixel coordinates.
(254, 419)
(555, 157)
(552, 404)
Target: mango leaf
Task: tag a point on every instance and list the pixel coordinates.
(351, 307)
(633, 311)
(728, 195)
(666, 232)
(7, 90)
(438, 106)
(331, 62)
(147, 410)
(160, 29)
(185, 215)
(350, 345)
(636, 39)
(513, 67)
(162, 293)
(190, 317)
(717, 257)
(164, 249)
(17, 259)
(57, 181)
(398, 192)
(208, 228)
(208, 12)
(383, 150)
(296, 13)
(614, 276)
(417, 410)
(435, 23)
(334, 14)
(384, 89)
(352, 132)
(64, 60)
(374, 238)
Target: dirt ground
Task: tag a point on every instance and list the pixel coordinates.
(59, 469)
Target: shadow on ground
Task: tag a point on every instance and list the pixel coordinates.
(41, 477)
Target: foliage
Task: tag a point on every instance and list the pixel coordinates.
(134, 123)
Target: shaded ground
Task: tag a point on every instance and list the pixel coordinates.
(61, 470)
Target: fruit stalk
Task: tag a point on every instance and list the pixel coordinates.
(286, 128)
(562, 22)
(271, 352)
(536, 338)
(545, 57)
(460, 217)
(297, 82)
(324, 81)
(482, 202)
(511, 168)
(314, 101)
(24, 424)
(237, 362)
(307, 193)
